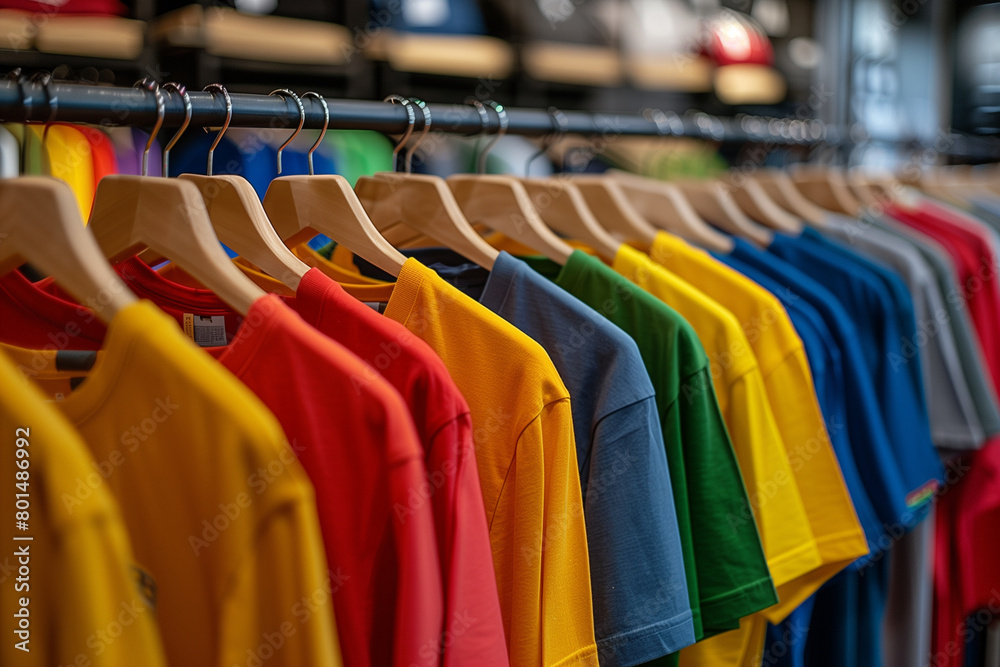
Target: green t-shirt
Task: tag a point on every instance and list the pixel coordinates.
(727, 574)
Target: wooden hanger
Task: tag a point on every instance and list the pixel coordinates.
(666, 207)
(562, 207)
(826, 187)
(239, 218)
(501, 202)
(759, 206)
(869, 189)
(782, 190)
(612, 209)
(664, 204)
(406, 206)
(715, 204)
(40, 223)
(300, 207)
(168, 215)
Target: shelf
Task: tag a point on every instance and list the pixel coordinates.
(469, 56)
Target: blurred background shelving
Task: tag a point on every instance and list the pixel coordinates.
(894, 71)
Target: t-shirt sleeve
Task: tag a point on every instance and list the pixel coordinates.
(834, 525)
(548, 588)
(777, 504)
(472, 607)
(732, 573)
(278, 600)
(637, 568)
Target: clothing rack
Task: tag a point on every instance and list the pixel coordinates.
(105, 105)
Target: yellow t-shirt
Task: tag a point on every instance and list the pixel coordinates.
(81, 600)
(523, 432)
(785, 368)
(776, 500)
(221, 515)
(68, 158)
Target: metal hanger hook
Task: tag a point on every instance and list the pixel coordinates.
(664, 127)
(151, 85)
(559, 123)
(52, 102)
(182, 91)
(326, 124)
(285, 92)
(411, 120)
(484, 122)
(709, 127)
(212, 87)
(408, 160)
(502, 123)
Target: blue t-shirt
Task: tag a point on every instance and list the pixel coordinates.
(878, 311)
(903, 310)
(786, 642)
(627, 496)
(869, 441)
(846, 626)
(825, 363)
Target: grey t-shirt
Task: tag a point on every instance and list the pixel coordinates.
(627, 497)
(979, 385)
(955, 424)
(908, 618)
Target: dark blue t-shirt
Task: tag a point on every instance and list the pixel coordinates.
(866, 430)
(786, 642)
(878, 312)
(825, 364)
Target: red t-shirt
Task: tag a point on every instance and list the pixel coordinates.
(444, 425)
(355, 440)
(967, 536)
(975, 264)
(85, 7)
(102, 153)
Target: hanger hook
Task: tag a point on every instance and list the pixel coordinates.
(411, 118)
(285, 92)
(484, 122)
(212, 87)
(187, 121)
(45, 78)
(51, 101)
(326, 124)
(664, 128)
(408, 161)
(151, 85)
(559, 123)
(502, 123)
(709, 127)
